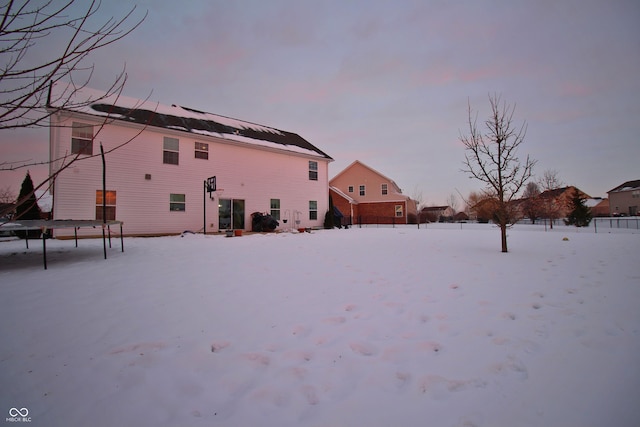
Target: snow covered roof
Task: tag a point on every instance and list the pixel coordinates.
(627, 186)
(91, 101)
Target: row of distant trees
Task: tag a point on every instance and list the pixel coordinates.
(536, 203)
(531, 205)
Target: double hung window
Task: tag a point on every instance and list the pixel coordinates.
(170, 151)
(109, 201)
(82, 139)
(177, 202)
(313, 170)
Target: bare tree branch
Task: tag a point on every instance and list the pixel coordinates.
(26, 75)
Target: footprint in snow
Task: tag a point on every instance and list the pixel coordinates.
(299, 356)
(363, 348)
(438, 388)
(402, 380)
(139, 348)
(219, 345)
(509, 316)
(512, 365)
(309, 392)
(257, 359)
(336, 320)
(430, 346)
(300, 331)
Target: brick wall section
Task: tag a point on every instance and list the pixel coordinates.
(344, 206)
(381, 213)
(370, 213)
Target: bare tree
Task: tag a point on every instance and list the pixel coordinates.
(550, 180)
(28, 70)
(531, 204)
(491, 158)
(452, 201)
(480, 205)
(548, 206)
(7, 199)
(421, 202)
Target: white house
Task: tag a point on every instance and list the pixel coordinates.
(158, 158)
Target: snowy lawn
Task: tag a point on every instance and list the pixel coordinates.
(360, 327)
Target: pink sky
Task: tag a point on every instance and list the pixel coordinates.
(388, 83)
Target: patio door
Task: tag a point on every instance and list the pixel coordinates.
(231, 214)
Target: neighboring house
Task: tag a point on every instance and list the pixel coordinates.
(155, 180)
(599, 206)
(625, 198)
(557, 203)
(437, 213)
(461, 217)
(368, 197)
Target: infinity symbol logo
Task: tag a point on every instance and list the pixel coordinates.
(14, 412)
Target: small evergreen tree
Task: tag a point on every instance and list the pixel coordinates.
(329, 222)
(27, 207)
(580, 216)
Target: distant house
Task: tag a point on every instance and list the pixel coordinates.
(461, 217)
(599, 206)
(155, 180)
(624, 199)
(437, 213)
(562, 199)
(366, 196)
(550, 204)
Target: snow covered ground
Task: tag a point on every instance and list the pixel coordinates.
(360, 327)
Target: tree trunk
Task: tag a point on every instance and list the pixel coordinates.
(503, 235)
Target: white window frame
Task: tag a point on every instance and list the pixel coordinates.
(110, 204)
(81, 139)
(170, 146)
(313, 210)
(313, 170)
(177, 202)
(275, 210)
(201, 150)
